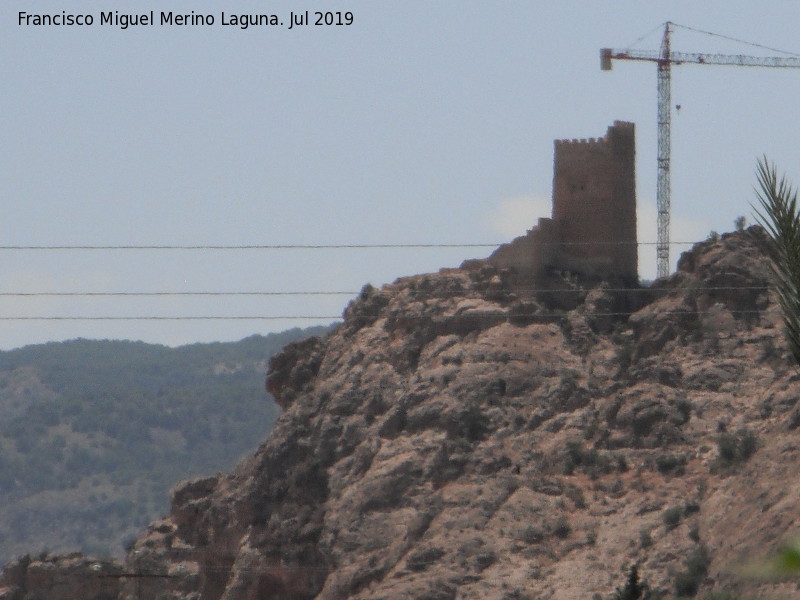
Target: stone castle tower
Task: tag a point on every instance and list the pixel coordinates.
(592, 231)
(594, 200)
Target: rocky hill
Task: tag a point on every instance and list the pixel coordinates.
(464, 435)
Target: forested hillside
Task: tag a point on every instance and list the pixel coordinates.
(94, 433)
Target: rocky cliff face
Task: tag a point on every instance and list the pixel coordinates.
(462, 436)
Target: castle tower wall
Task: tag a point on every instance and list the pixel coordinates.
(534, 253)
(594, 203)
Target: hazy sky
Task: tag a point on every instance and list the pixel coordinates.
(427, 122)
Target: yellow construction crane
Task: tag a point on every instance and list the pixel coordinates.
(664, 59)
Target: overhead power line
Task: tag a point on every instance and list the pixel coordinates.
(476, 315)
(444, 294)
(160, 294)
(246, 247)
(174, 318)
(308, 246)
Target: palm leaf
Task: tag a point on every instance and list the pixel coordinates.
(779, 217)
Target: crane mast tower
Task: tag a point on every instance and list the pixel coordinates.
(664, 59)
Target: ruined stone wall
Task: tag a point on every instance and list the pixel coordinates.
(594, 203)
(532, 254)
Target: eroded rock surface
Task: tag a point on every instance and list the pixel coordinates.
(461, 436)
(57, 577)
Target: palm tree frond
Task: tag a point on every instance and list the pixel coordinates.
(778, 215)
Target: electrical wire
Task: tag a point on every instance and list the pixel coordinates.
(327, 317)
(443, 294)
(246, 246)
(293, 293)
(472, 315)
(309, 246)
(159, 294)
(176, 318)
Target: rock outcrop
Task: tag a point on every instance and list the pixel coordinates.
(460, 437)
(55, 577)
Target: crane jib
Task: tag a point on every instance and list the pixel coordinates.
(678, 58)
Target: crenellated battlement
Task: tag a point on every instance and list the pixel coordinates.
(618, 128)
(582, 142)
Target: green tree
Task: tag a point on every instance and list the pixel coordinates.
(688, 581)
(633, 589)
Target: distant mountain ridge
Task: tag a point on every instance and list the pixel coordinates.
(93, 433)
